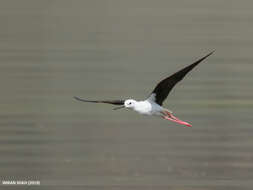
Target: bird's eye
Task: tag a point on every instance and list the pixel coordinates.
(130, 103)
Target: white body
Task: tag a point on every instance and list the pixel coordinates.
(146, 107)
(149, 107)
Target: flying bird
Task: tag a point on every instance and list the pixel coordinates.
(153, 104)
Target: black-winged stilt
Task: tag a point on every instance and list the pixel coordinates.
(153, 104)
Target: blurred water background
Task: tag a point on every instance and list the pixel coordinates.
(52, 50)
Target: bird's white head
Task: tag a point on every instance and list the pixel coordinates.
(130, 103)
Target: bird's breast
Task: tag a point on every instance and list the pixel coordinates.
(143, 107)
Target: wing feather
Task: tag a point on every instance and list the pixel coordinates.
(164, 87)
(114, 102)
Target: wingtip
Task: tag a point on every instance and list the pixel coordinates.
(206, 56)
(210, 53)
(77, 98)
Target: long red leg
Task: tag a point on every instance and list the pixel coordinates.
(170, 117)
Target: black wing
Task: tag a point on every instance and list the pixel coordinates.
(114, 102)
(164, 87)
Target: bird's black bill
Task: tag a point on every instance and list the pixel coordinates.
(117, 108)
